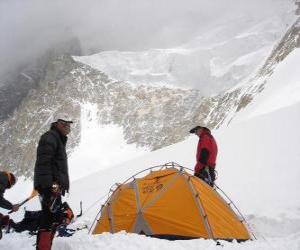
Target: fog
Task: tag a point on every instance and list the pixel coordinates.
(29, 27)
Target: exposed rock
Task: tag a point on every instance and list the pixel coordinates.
(150, 116)
(15, 86)
(288, 43)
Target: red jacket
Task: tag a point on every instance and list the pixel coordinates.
(207, 151)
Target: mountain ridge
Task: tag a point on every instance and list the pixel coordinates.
(152, 117)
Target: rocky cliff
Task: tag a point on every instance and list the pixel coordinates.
(150, 116)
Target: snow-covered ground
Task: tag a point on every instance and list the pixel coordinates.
(258, 167)
(102, 146)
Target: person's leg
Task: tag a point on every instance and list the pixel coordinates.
(212, 176)
(202, 174)
(4, 220)
(1, 226)
(44, 240)
(45, 233)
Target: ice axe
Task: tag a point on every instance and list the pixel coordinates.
(80, 214)
(208, 178)
(33, 194)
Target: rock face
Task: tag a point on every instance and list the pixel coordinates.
(150, 116)
(146, 114)
(15, 85)
(238, 98)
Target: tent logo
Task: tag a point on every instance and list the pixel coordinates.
(152, 187)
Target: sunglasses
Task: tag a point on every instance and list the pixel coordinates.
(65, 124)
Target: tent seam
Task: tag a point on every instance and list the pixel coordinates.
(140, 213)
(110, 218)
(201, 210)
(161, 192)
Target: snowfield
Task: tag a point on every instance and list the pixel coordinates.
(258, 167)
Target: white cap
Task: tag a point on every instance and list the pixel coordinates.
(63, 117)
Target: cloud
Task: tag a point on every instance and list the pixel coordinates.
(29, 27)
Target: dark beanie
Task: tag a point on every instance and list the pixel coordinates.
(193, 130)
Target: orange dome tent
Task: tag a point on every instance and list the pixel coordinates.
(170, 203)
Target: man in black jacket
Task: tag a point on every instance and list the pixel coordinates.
(51, 177)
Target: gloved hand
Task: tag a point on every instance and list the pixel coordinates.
(55, 199)
(55, 188)
(208, 180)
(66, 221)
(15, 207)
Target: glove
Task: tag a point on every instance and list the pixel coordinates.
(55, 188)
(208, 178)
(15, 207)
(66, 221)
(55, 199)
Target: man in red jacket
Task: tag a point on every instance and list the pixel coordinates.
(206, 156)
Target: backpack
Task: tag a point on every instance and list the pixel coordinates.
(31, 220)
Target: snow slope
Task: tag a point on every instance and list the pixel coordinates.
(227, 51)
(101, 146)
(281, 90)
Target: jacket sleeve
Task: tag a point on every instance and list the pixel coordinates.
(3, 185)
(44, 172)
(204, 151)
(204, 154)
(5, 203)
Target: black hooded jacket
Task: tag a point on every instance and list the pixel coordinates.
(51, 164)
(3, 186)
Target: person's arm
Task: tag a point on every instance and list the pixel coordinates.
(204, 154)
(5, 203)
(44, 172)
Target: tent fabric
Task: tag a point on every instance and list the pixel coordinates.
(170, 203)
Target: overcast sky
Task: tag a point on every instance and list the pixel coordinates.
(28, 27)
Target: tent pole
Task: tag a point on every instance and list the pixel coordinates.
(231, 203)
(200, 208)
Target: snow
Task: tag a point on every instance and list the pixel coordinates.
(228, 52)
(258, 167)
(258, 164)
(265, 164)
(102, 146)
(282, 89)
(123, 240)
(220, 68)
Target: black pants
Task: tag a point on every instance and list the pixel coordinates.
(50, 203)
(209, 177)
